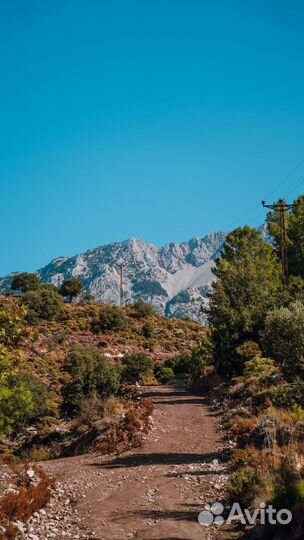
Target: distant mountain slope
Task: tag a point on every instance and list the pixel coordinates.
(175, 279)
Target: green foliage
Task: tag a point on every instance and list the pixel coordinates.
(136, 366)
(110, 318)
(295, 236)
(257, 385)
(142, 309)
(25, 282)
(288, 488)
(148, 330)
(71, 288)
(13, 329)
(90, 375)
(23, 399)
(191, 365)
(41, 397)
(44, 303)
(164, 374)
(284, 338)
(296, 289)
(86, 298)
(243, 484)
(249, 350)
(247, 285)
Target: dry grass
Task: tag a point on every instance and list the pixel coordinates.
(20, 505)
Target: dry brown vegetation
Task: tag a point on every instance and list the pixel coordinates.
(23, 498)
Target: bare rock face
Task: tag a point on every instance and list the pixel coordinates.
(175, 278)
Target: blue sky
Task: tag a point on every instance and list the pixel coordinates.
(160, 119)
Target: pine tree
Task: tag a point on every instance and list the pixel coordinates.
(247, 285)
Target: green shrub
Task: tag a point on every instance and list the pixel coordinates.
(23, 398)
(13, 329)
(90, 375)
(136, 366)
(142, 309)
(148, 330)
(191, 365)
(248, 350)
(243, 485)
(288, 488)
(284, 338)
(40, 395)
(258, 384)
(110, 318)
(25, 282)
(44, 303)
(164, 374)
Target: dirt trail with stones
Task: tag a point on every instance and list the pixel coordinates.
(152, 493)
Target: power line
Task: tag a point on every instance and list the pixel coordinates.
(285, 178)
(282, 208)
(296, 187)
(253, 209)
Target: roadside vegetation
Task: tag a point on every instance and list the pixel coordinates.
(257, 343)
(70, 376)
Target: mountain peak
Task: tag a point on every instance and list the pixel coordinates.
(175, 278)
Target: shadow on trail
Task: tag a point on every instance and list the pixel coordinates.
(186, 401)
(176, 515)
(138, 460)
(157, 394)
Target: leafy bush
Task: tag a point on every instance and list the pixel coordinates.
(90, 375)
(258, 384)
(164, 374)
(284, 337)
(110, 318)
(243, 485)
(148, 330)
(142, 309)
(44, 303)
(191, 365)
(41, 397)
(249, 350)
(23, 398)
(13, 327)
(25, 282)
(288, 488)
(136, 366)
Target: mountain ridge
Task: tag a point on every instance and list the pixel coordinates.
(174, 278)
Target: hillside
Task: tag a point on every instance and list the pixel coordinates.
(49, 341)
(175, 279)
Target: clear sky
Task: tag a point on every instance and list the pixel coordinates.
(159, 119)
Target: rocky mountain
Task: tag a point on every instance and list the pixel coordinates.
(175, 278)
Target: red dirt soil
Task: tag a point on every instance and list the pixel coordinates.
(157, 491)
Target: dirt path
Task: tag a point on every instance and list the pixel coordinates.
(152, 493)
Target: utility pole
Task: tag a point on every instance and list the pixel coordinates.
(121, 267)
(282, 208)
